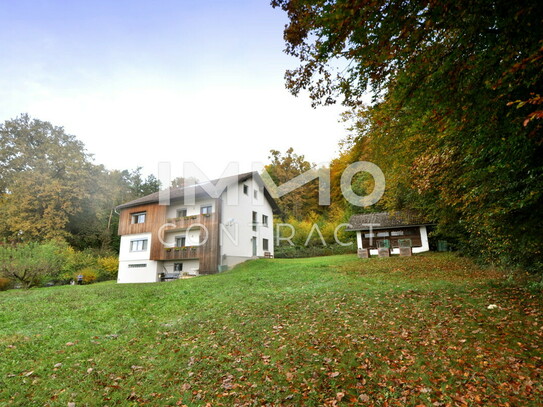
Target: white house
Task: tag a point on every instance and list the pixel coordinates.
(217, 230)
(371, 228)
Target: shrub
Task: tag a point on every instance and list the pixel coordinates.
(291, 252)
(89, 275)
(108, 267)
(5, 283)
(31, 264)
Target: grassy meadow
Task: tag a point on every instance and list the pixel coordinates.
(320, 331)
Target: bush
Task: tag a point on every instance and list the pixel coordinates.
(5, 283)
(291, 252)
(89, 275)
(31, 264)
(108, 267)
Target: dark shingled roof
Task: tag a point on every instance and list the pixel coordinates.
(386, 220)
(178, 193)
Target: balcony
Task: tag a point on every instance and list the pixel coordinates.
(185, 222)
(180, 253)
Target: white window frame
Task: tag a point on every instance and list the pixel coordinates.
(144, 244)
(135, 217)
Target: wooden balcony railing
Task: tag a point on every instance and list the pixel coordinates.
(185, 222)
(180, 253)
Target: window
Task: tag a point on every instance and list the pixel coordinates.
(396, 233)
(180, 241)
(255, 221)
(138, 217)
(382, 234)
(206, 210)
(265, 220)
(368, 235)
(265, 244)
(178, 267)
(255, 194)
(181, 212)
(245, 189)
(139, 245)
(136, 266)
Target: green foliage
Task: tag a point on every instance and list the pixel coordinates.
(295, 252)
(30, 264)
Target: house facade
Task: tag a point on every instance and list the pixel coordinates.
(202, 235)
(372, 228)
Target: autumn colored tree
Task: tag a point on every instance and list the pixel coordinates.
(51, 189)
(455, 121)
(44, 175)
(285, 167)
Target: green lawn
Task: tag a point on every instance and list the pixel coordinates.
(319, 331)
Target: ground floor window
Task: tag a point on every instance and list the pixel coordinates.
(139, 245)
(265, 244)
(178, 267)
(135, 266)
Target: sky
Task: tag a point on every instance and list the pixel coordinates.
(143, 82)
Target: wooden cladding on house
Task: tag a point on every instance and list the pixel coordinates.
(155, 216)
(393, 235)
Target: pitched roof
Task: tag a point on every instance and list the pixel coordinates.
(386, 220)
(199, 191)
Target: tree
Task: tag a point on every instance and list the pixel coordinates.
(51, 189)
(455, 120)
(44, 178)
(30, 264)
(285, 167)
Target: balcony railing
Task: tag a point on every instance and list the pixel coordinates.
(185, 222)
(180, 253)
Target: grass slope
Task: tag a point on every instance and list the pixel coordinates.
(320, 331)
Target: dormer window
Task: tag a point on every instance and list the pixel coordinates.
(138, 217)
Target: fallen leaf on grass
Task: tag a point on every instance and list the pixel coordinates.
(364, 398)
